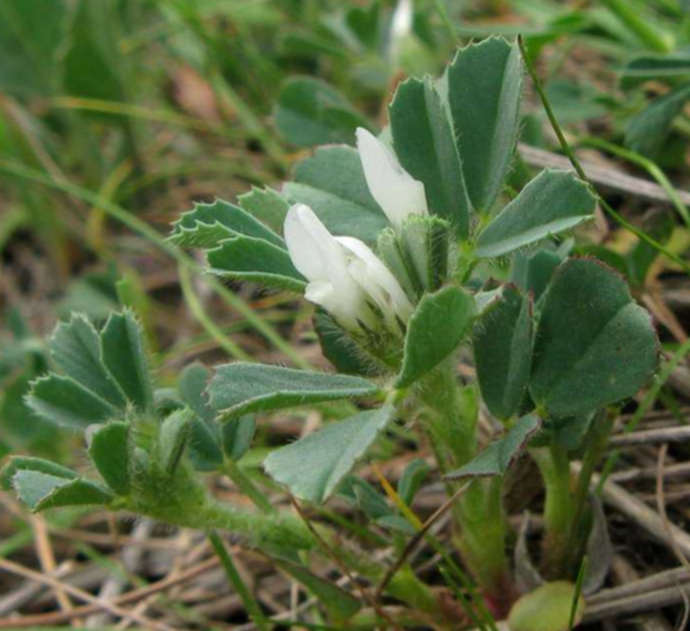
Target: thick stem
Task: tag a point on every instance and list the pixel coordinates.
(483, 530)
(479, 512)
(559, 508)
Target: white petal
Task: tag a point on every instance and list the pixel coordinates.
(345, 310)
(393, 188)
(376, 279)
(313, 250)
(322, 260)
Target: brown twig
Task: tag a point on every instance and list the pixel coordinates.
(652, 436)
(604, 176)
(617, 497)
(15, 568)
(661, 507)
(132, 596)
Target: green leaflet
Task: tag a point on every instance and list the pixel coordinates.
(242, 387)
(500, 454)
(109, 452)
(75, 348)
(647, 131)
(502, 341)
(484, 84)
(547, 608)
(125, 358)
(646, 67)
(205, 450)
(313, 466)
(424, 143)
(436, 328)
(594, 346)
(39, 490)
(62, 400)
(172, 439)
(266, 205)
(29, 463)
(206, 225)
(340, 604)
(255, 260)
(552, 202)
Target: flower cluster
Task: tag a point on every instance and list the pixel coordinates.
(345, 276)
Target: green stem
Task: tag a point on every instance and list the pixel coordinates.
(479, 512)
(250, 604)
(482, 540)
(453, 421)
(559, 508)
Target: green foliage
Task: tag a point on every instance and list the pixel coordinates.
(647, 131)
(208, 225)
(500, 454)
(552, 202)
(502, 342)
(423, 140)
(255, 260)
(172, 439)
(266, 205)
(411, 479)
(585, 346)
(240, 388)
(124, 356)
(331, 453)
(40, 490)
(109, 451)
(435, 330)
(205, 448)
(76, 350)
(63, 401)
(593, 345)
(484, 82)
(339, 603)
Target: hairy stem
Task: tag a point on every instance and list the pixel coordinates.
(479, 512)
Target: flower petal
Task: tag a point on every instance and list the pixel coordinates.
(313, 250)
(376, 279)
(322, 260)
(393, 188)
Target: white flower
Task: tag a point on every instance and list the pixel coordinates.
(345, 277)
(376, 279)
(393, 188)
